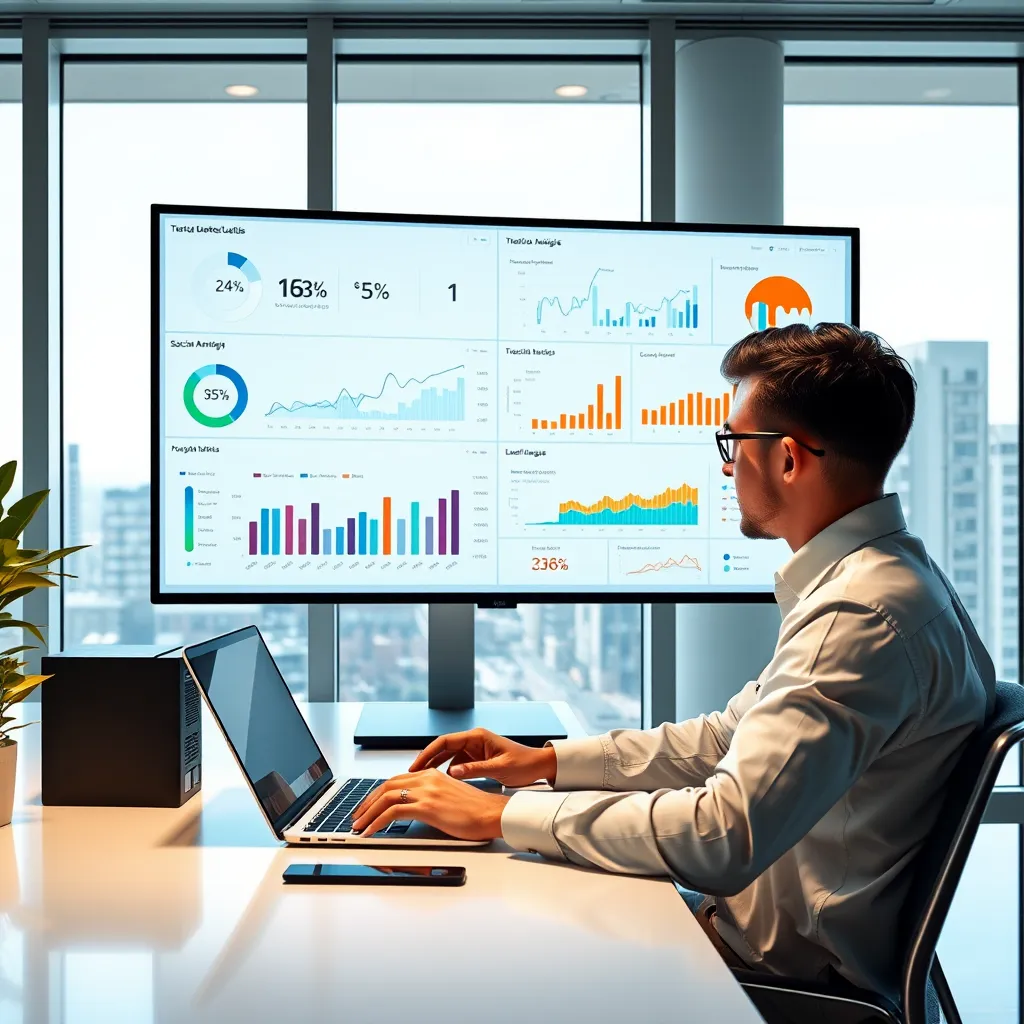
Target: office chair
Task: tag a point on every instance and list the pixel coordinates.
(937, 872)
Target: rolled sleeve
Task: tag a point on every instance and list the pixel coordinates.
(580, 763)
(528, 823)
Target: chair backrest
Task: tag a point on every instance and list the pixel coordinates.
(940, 863)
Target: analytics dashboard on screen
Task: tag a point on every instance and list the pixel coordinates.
(369, 407)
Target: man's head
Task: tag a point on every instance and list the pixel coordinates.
(832, 389)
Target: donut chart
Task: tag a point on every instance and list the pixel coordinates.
(215, 395)
(228, 289)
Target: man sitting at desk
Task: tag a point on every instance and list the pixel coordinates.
(802, 804)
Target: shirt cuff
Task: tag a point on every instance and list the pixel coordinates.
(528, 823)
(580, 763)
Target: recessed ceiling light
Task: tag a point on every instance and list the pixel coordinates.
(937, 94)
(571, 91)
(241, 91)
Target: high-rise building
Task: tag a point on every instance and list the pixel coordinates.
(124, 555)
(942, 473)
(1004, 549)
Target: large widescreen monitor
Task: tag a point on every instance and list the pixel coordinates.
(376, 407)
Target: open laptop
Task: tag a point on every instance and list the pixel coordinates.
(286, 770)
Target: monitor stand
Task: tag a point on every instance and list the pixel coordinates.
(451, 655)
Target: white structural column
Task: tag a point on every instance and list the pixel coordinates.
(729, 107)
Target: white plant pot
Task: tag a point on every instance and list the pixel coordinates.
(8, 763)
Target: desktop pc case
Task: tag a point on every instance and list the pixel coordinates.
(121, 727)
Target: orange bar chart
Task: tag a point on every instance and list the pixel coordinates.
(604, 413)
(692, 410)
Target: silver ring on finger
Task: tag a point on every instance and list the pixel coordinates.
(404, 796)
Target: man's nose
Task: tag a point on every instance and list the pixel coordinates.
(727, 468)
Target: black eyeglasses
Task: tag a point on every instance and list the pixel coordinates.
(727, 442)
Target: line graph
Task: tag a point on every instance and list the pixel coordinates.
(679, 310)
(444, 404)
(686, 562)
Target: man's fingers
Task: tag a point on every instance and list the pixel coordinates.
(372, 798)
(428, 756)
(389, 814)
(431, 755)
(472, 769)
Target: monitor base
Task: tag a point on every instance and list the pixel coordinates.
(411, 725)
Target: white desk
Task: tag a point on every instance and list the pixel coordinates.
(145, 915)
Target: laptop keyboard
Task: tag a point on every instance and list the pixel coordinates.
(336, 815)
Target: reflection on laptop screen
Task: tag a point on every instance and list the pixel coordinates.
(259, 717)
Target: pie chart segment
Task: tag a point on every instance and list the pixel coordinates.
(227, 287)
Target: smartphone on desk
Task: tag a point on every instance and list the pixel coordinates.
(365, 874)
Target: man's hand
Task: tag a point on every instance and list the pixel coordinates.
(480, 753)
(433, 798)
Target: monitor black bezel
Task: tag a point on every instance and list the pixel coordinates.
(306, 800)
(484, 599)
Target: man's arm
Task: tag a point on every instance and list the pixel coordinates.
(671, 756)
(831, 699)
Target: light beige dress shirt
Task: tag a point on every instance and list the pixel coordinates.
(803, 803)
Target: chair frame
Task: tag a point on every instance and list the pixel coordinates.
(922, 964)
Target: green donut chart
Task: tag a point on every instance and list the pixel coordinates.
(215, 370)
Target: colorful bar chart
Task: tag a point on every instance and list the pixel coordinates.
(363, 533)
(695, 409)
(190, 520)
(597, 415)
(675, 506)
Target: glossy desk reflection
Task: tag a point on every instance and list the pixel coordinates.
(181, 915)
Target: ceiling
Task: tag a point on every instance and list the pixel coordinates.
(496, 81)
(526, 8)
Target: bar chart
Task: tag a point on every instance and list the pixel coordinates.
(675, 506)
(694, 409)
(424, 528)
(604, 413)
(190, 519)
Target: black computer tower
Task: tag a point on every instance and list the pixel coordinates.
(121, 727)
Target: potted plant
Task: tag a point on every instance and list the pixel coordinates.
(22, 570)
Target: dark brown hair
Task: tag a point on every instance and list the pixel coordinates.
(840, 386)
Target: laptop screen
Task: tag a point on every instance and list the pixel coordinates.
(260, 720)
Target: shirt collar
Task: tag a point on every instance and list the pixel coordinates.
(801, 574)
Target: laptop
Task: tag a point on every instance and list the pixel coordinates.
(286, 770)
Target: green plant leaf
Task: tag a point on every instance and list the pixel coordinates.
(24, 725)
(20, 514)
(7, 623)
(41, 559)
(18, 650)
(16, 694)
(26, 580)
(7, 472)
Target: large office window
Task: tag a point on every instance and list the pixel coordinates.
(135, 134)
(930, 177)
(10, 259)
(924, 160)
(517, 139)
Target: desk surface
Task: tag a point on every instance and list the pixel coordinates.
(147, 915)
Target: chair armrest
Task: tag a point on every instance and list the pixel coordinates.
(795, 1001)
